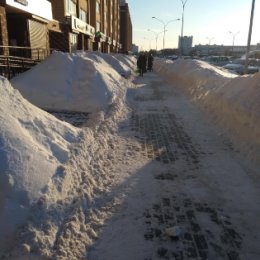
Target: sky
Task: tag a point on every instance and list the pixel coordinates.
(208, 21)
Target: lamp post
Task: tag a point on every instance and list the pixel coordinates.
(233, 41)
(156, 35)
(182, 24)
(249, 35)
(149, 42)
(210, 39)
(164, 26)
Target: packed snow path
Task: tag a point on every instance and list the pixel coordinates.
(190, 195)
(158, 182)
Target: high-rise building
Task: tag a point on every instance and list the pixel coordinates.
(185, 44)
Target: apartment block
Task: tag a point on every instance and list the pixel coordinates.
(125, 28)
(24, 24)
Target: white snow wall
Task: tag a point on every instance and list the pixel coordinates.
(232, 101)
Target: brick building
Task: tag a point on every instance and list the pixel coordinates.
(105, 17)
(71, 30)
(125, 27)
(65, 25)
(24, 24)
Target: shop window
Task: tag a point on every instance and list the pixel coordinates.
(73, 42)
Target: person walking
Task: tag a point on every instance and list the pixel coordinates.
(150, 62)
(141, 64)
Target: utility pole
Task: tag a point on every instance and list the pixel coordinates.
(249, 36)
(233, 42)
(164, 26)
(182, 24)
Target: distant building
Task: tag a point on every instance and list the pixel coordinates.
(185, 44)
(125, 27)
(221, 50)
(135, 48)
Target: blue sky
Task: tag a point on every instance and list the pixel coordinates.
(203, 19)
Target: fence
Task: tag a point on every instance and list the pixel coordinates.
(15, 60)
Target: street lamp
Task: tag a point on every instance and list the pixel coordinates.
(233, 42)
(210, 39)
(164, 26)
(182, 23)
(249, 35)
(156, 35)
(149, 42)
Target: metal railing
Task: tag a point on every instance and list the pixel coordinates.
(15, 59)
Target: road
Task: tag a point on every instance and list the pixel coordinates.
(185, 191)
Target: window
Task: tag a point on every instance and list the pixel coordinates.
(71, 7)
(83, 15)
(97, 26)
(97, 7)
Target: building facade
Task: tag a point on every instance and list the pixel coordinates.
(24, 24)
(71, 30)
(65, 25)
(125, 27)
(105, 18)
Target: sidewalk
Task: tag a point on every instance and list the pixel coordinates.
(188, 193)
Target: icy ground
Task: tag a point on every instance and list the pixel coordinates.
(151, 178)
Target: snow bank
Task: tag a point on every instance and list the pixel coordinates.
(233, 101)
(118, 63)
(82, 82)
(32, 146)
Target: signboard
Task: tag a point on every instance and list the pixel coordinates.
(40, 8)
(79, 26)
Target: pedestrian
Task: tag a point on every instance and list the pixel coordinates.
(141, 64)
(150, 62)
(145, 62)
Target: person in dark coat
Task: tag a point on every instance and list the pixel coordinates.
(150, 62)
(141, 64)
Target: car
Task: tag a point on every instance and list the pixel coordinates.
(240, 68)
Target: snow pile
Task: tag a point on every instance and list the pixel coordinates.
(41, 172)
(81, 82)
(120, 64)
(33, 144)
(232, 100)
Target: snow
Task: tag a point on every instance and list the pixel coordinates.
(231, 100)
(33, 144)
(81, 82)
(60, 184)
